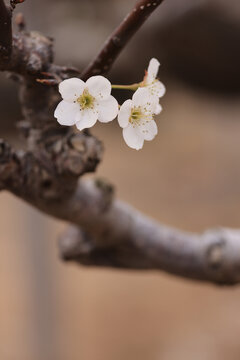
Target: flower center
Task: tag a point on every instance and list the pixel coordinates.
(86, 100)
(140, 116)
(136, 115)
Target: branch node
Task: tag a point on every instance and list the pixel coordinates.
(14, 3)
(20, 22)
(107, 191)
(215, 255)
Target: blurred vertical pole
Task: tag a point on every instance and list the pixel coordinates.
(41, 286)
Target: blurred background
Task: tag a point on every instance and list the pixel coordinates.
(188, 177)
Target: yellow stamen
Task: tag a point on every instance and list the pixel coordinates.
(86, 100)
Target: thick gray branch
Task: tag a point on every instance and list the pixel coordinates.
(110, 233)
(119, 236)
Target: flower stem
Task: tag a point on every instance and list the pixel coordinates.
(132, 87)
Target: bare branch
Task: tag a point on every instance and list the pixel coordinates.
(121, 237)
(55, 156)
(110, 233)
(120, 37)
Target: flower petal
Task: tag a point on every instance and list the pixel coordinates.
(71, 89)
(157, 88)
(158, 109)
(133, 137)
(107, 109)
(99, 87)
(148, 130)
(124, 113)
(144, 98)
(86, 119)
(66, 113)
(152, 71)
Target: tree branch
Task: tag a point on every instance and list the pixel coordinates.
(120, 37)
(110, 233)
(121, 237)
(55, 156)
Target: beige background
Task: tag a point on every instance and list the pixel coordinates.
(188, 177)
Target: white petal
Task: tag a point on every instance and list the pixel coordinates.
(86, 119)
(71, 89)
(133, 137)
(152, 70)
(99, 87)
(148, 130)
(66, 113)
(158, 109)
(107, 109)
(144, 98)
(141, 96)
(124, 113)
(157, 88)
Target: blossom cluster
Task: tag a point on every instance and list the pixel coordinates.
(86, 102)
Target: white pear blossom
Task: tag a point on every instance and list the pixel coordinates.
(136, 118)
(150, 82)
(85, 103)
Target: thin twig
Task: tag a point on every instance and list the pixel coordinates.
(120, 37)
